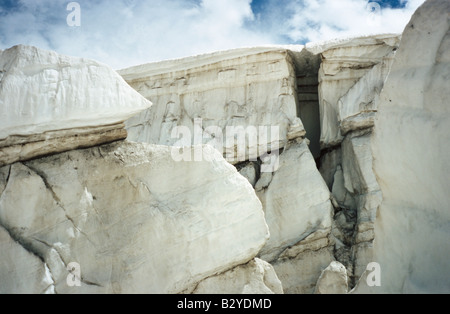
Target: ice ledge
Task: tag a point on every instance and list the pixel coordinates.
(201, 60)
(50, 103)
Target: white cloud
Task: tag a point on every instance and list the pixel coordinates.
(129, 32)
(317, 20)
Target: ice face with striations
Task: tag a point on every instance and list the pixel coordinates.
(133, 219)
(412, 157)
(344, 63)
(254, 87)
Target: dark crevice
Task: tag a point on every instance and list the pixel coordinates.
(323, 153)
(329, 149)
(45, 243)
(256, 165)
(90, 283)
(28, 246)
(310, 117)
(348, 231)
(8, 175)
(345, 221)
(318, 161)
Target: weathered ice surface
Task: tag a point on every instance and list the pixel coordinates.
(51, 103)
(412, 159)
(352, 74)
(359, 179)
(133, 219)
(300, 268)
(371, 112)
(298, 212)
(333, 280)
(344, 63)
(255, 277)
(253, 87)
(20, 270)
(357, 197)
(296, 201)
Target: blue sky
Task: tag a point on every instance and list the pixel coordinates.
(123, 33)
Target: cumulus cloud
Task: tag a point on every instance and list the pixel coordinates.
(302, 21)
(128, 32)
(123, 33)
(317, 20)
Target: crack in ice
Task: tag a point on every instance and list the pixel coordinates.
(58, 201)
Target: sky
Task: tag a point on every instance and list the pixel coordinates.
(124, 33)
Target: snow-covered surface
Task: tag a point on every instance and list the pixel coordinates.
(42, 91)
(200, 60)
(373, 39)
